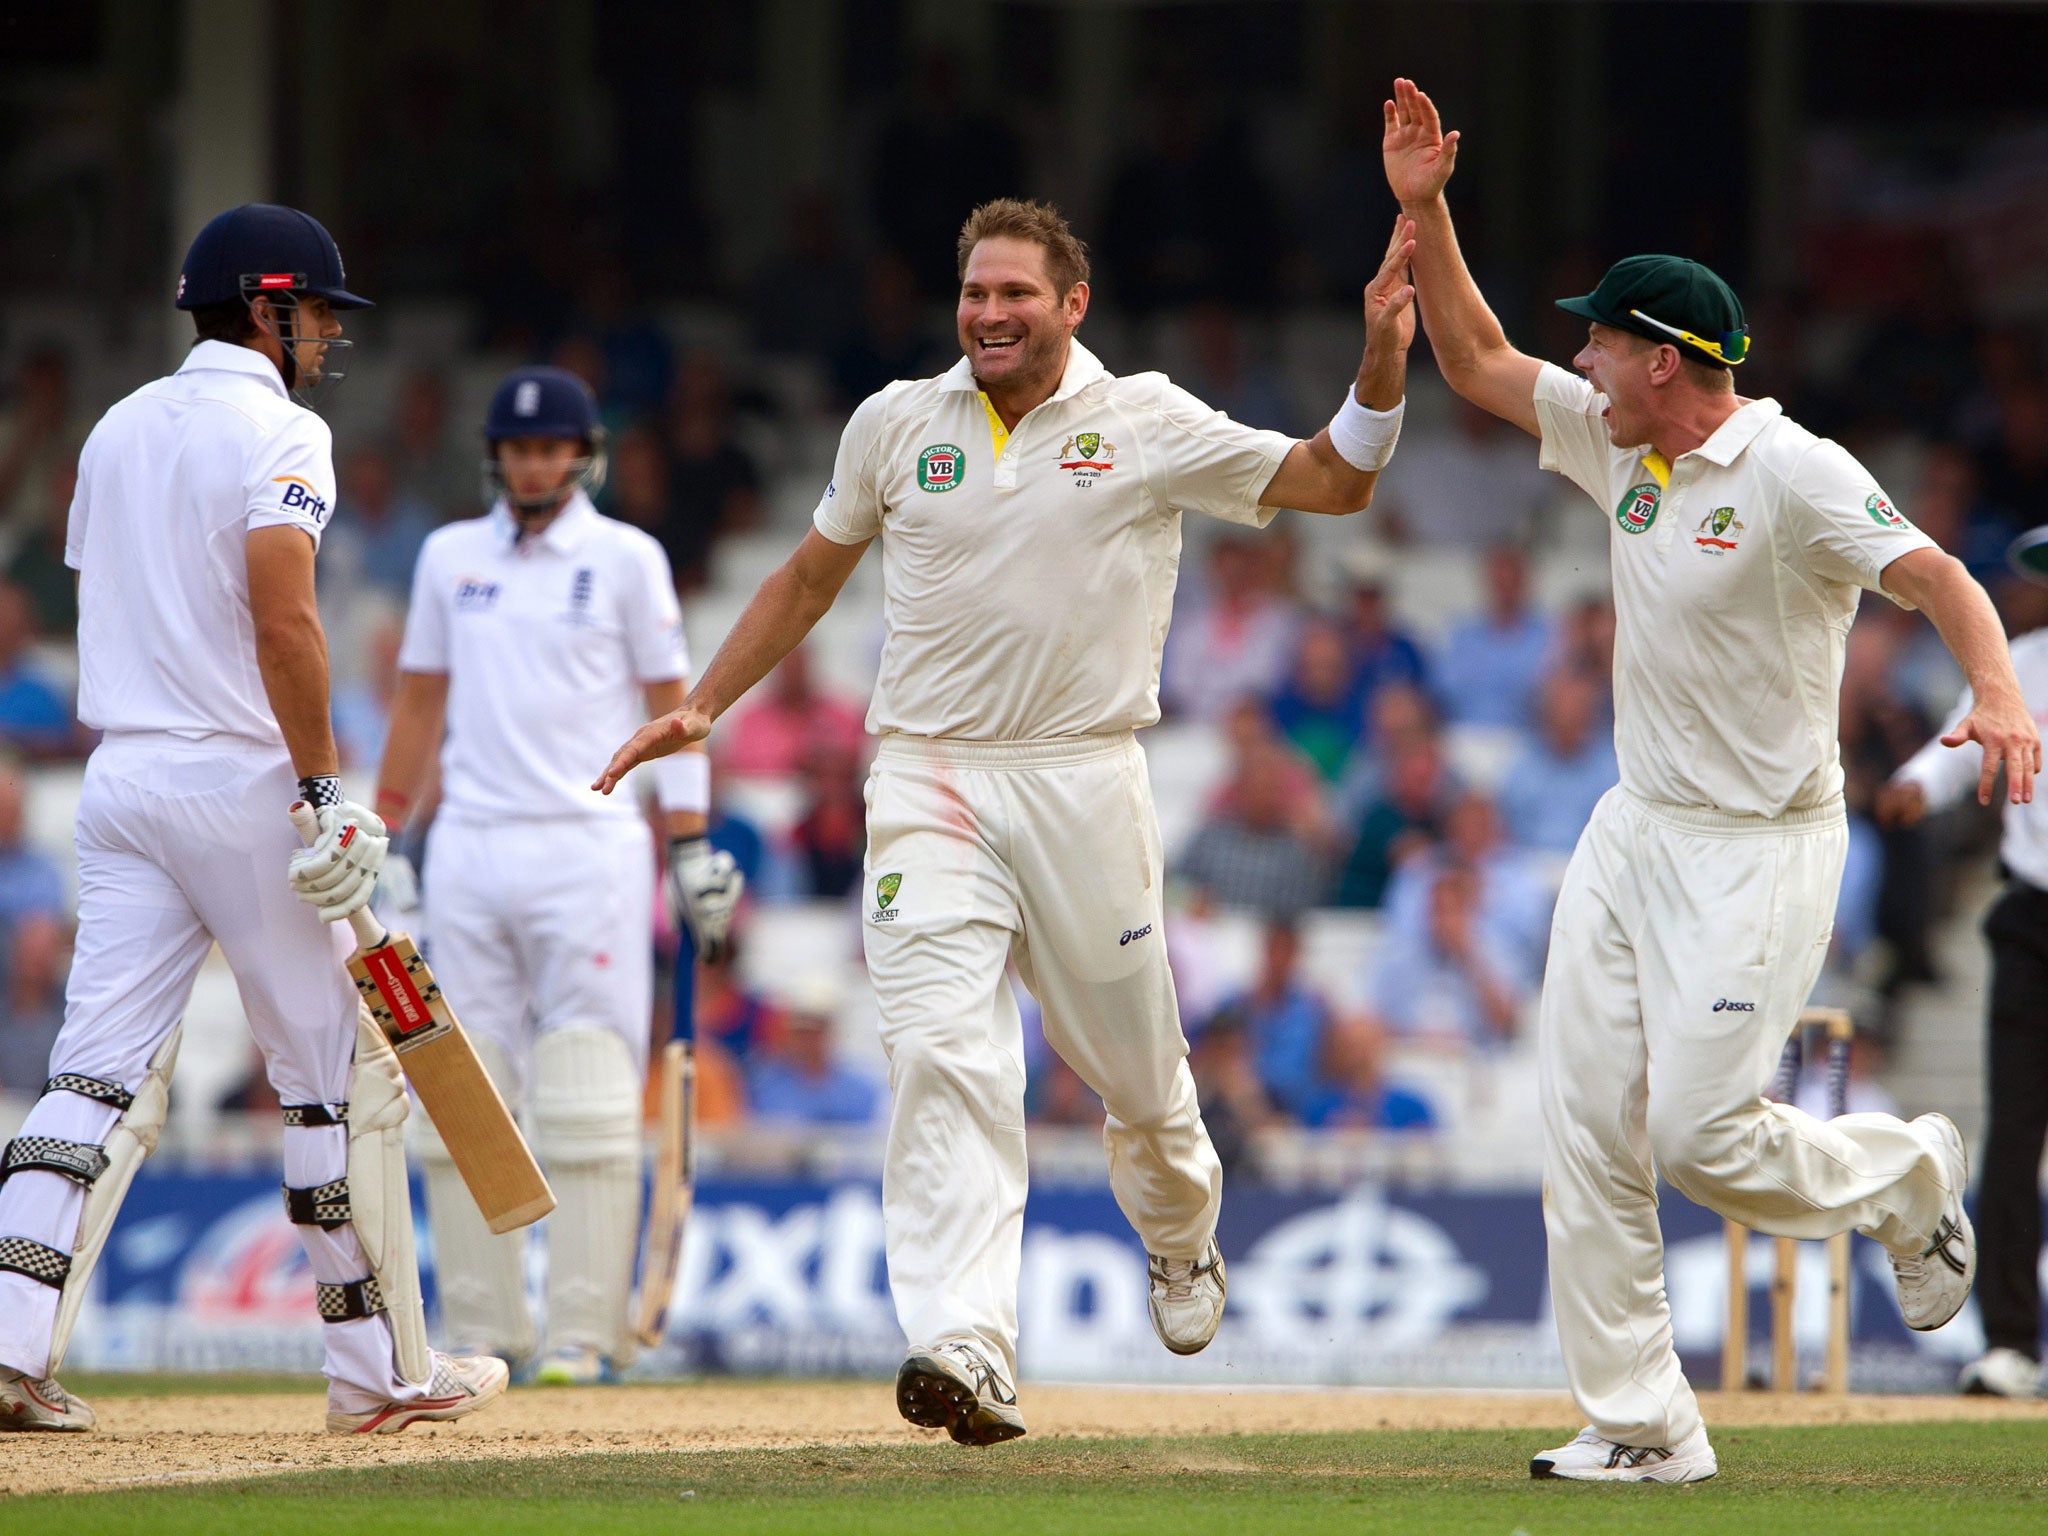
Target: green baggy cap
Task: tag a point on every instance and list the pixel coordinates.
(2028, 556)
(1668, 298)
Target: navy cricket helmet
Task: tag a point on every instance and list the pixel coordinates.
(544, 402)
(263, 248)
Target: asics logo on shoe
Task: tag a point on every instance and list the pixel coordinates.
(1945, 1233)
(1636, 1455)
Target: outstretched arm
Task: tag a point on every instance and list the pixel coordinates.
(1314, 476)
(790, 601)
(1471, 349)
(1998, 720)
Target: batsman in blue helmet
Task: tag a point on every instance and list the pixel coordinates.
(533, 631)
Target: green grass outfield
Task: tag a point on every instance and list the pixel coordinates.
(1974, 1478)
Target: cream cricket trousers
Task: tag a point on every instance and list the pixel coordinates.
(1684, 945)
(1046, 853)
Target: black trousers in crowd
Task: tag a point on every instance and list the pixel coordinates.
(2009, 1197)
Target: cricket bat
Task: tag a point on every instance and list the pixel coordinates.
(441, 1064)
(675, 1159)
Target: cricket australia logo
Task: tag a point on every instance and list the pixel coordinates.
(1087, 457)
(1883, 513)
(1718, 531)
(939, 467)
(1638, 507)
(885, 897)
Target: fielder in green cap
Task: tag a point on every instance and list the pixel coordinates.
(1698, 905)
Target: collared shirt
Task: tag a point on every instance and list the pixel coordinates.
(547, 642)
(170, 485)
(1947, 774)
(1736, 572)
(1028, 575)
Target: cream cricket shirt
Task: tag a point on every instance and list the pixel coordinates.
(1028, 576)
(170, 485)
(1736, 572)
(547, 642)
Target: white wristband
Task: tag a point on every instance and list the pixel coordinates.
(1365, 438)
(682, 782)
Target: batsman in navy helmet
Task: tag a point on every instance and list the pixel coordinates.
(534, 630)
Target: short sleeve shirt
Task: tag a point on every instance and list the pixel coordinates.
(1028, 576)
(171, 483)
(1737, 572)
(548, 642)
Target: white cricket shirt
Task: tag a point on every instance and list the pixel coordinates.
(170, 485)
(547, 642)
(1946, 774)
(1736, 572)
(1028, 575)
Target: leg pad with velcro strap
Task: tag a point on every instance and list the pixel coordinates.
(325, 1205)
(380, 1198)
(25, 1256)
(297, 1116)
(82, 1162)
(346, 1303)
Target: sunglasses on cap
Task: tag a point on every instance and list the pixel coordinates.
(1731, 349)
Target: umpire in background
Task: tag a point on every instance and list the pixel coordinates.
(2016, 1061)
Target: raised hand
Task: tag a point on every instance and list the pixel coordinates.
(1390, 297)
(657, 738)
(1419, 156)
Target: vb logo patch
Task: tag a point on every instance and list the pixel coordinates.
(885, 898)
(1638, 507)
(1719, 531)
(1883, 513)
(940, 467)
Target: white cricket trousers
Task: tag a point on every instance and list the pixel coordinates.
(1045, 853)
(1684, 945)
(182, 844)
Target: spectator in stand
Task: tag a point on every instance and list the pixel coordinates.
(1585, 645)
(362, 707)
(1400, 821)
(1469, 488)
(796, 1079)
(714, 487)
(1238, 641)
(428, 464)
(38, 566)
(2013, 467)
(1356, 1092)
(34, 923)
(830, 838)
(36, 718)
(1248, 731)
(891, 341)
(1549, 794)
(639, 367)
(776, 728)
(1256, 854)
(1402, 718)
(636, 488)
(1235, 1106)
(1286, 1022)
(730, 1016)
(1456, 981)
(812, 264)
(1319, 708)
(1515, 896)
(1487, 672)
(375, 536)
(1382, 656)
(1241, 389)
(1914, 370)
(38, 443)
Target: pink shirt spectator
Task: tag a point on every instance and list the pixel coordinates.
(775, 732)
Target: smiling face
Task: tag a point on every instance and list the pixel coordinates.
(1014, 328)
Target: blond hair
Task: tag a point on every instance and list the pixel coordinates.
(1016, 218)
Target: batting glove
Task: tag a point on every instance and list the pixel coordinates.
(336, 875)
(704, 887)
(398, 885)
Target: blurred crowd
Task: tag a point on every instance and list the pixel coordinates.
(1434, 777)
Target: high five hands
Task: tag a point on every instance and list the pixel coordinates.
(1419, 156)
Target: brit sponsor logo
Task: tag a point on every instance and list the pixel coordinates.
(472, 594)
(300, 496)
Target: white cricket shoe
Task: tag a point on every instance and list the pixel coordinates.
(2001, 1373)
(1591, 1457)
(461, 1384)
(1186, 1299)
(953, 1387)
(27, 1403)
(1934, 1283)
(575, 1368)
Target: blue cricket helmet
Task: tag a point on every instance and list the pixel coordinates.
(547, 403)
(262, 248)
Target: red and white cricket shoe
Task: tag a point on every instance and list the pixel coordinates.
(461, 1384)
(28, 1404)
